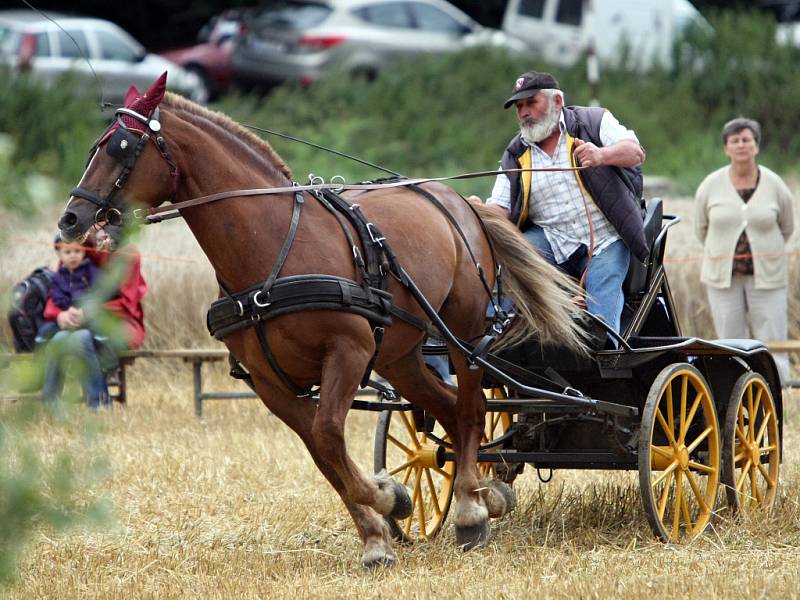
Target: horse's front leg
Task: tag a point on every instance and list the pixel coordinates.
(299, 414)
(367, 497)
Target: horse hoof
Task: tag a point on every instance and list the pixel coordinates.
(381, 561)
(469, 537)
(402, 502)
(394, 500)
(501, 499)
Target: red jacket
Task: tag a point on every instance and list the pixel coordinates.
(127, 305)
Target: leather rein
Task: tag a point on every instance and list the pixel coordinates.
(156, 214)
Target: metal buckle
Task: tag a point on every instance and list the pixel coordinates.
(315, 179)
(375, 240)
(260, 304)
(240, 306)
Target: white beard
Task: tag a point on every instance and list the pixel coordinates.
(535, 131)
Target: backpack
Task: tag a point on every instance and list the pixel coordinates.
(26, 313)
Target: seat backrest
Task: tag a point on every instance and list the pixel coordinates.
(636, 279)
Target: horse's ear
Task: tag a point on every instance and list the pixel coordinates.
(131, 96)
(155, 92)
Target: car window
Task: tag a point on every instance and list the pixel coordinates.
(430, 18)
(42, 44)
(531, 8)
(112, 47)
(294, 15)
(73, 44)
(392, 14)
(569, 12)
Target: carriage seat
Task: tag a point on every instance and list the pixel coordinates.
(636, 279)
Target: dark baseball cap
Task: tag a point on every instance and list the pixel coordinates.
(529, 84)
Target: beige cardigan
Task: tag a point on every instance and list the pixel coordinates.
(721, 216)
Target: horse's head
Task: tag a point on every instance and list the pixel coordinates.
(129, 165)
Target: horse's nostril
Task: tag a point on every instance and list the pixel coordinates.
(67, 220)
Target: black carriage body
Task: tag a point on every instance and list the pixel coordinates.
(683, 411)
(563, 434)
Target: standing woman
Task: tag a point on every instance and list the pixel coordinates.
(743, 216)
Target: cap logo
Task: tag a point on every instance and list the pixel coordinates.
(519, 83)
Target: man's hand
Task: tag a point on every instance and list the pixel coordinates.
(625, 153)
(72, 318)
(587, 154)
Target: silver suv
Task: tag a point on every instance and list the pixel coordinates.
(301, 40)
(29, 42)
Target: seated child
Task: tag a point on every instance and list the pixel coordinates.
(67, 326)
(75, 275)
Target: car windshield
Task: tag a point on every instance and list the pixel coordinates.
(293, 15)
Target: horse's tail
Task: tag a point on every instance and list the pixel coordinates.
(543, 296)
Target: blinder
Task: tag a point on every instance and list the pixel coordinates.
(125, 145)
(121, 146)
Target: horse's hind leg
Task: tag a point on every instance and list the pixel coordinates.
(299, 415)
(476, 499)
(463, 417)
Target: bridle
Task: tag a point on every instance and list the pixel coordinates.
(125, 144)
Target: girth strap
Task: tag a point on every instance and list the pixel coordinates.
(273, 363)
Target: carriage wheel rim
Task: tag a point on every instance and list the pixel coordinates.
(680, 463)
(752, 451)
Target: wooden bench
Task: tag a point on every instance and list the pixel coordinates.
(197, 358)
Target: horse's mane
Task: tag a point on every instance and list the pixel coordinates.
(225, 122)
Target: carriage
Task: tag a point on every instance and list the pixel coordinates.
(320, 284)
(694, 417)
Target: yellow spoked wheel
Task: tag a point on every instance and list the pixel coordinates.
(679, 454)
(751, 445)
(411, 457)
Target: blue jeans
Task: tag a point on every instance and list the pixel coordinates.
(603, 281)
(440, 364)
(78, 343)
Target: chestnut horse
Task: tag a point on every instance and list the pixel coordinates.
(196, 152)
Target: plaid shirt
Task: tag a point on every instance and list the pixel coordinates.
(557, 200)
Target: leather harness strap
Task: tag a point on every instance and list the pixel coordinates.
(287, 245)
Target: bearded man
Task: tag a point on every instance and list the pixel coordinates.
(588, 222)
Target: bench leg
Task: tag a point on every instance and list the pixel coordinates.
(197, 367)
(122, 389)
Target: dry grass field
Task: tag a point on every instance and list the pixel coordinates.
(231, 506)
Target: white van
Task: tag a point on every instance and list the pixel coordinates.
(560, 31)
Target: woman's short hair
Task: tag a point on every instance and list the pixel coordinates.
(734, 126)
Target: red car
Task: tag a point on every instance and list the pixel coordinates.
(211, 61)
(211, 58)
